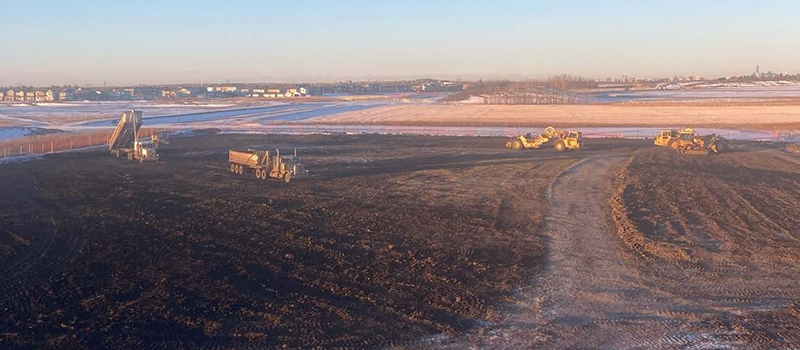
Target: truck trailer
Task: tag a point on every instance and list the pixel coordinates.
(124, 141)
(265, 165)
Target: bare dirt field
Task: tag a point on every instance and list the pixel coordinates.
(767, 116)
(406, 243)
(394, 239)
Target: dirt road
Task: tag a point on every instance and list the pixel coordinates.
(597, 292)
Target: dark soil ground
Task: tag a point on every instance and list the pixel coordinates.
(402, 242)
(392, 239)
(721, 236)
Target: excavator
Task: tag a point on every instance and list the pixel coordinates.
(124, 141)
(560, 140)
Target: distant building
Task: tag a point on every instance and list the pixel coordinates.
(10, 95)
(45, 95)
(184, 92)
(229, 89)
(19, 95)
(30, 96)
(66, 95)
(51, 95)
(88, 95)
(167, 93)
(2, 96)
(143, 92)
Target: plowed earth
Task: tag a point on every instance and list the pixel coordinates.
(654, 250)
(405, 243)
(393, 239)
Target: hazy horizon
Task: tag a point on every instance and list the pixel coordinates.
(92, 42)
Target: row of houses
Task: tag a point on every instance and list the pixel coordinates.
(234, 90)
(31, 95)
(89, 94)
(28, 94)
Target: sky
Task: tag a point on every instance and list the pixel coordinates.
(54, 42)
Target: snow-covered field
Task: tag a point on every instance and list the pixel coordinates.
(709, 92)
(53, 114)
(8, 133)
(264, 116)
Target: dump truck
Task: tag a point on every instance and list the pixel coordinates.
(560, 140)
(265, 165)
(124, 141)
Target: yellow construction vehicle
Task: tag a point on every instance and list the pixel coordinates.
(703, 145)
(686, 141)
(670, 138)
(560, 140)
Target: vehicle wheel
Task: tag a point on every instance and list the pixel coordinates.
(287, 177)
(263, 174)
(233, 168)
(680, 150)
(258, 173)
(560, 146)
(672, 144)
(518, 145)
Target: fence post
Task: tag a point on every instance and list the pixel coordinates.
(51, 146)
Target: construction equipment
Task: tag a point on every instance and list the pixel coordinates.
(560, 140)
(124, 141)
(264, 165)
(686, 141)
(699, 145)
(669, 138)
(702, 145)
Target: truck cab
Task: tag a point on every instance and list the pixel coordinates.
(664, 137)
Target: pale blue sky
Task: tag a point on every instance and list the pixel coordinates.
(130, 42)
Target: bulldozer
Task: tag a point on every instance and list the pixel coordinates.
(560, 140)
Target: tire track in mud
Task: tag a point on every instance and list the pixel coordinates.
(57, 244)
(594, 293)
